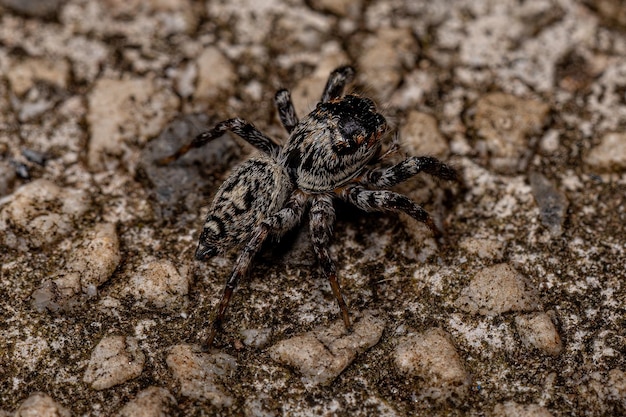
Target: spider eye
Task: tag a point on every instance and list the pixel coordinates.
(352, 132)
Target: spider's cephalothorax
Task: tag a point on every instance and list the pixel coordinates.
(333, 143)
(327, 156)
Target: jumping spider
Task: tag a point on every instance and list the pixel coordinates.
(325, 158)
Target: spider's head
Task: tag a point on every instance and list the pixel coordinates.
(359, 126)
(333, 143)
(205, 252)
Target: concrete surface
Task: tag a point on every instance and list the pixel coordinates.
(519, 312)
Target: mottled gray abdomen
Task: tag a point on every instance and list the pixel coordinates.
(255, 190)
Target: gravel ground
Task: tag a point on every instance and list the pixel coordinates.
(520, 311)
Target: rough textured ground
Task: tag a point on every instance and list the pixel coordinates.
(519, 312)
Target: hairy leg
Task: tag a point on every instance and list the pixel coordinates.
(336, 83)
(322, 218)
(385, 200)
(388, 177)
(286, 111)
(242, 128)
(278, 224)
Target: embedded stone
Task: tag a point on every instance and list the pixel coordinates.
(433, 357)
(537, 330)
(115, 360)
(151, 402)
(202, 376)
(505, 122)
(609, 154)
(40, 404)
(159, 284)
(40, 213)
(321, 355)
(498, 289)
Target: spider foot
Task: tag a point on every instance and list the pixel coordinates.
(216, 325)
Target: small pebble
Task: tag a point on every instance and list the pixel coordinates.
(151, 402)
(432, 357)
(41, 405)
(552, 203)
(23, 75)
(610, 154)
(537, 330)
(115, 360)
(202, 376)
(215, 74)
(498, 289)
(513, 409)
(159, 284)
(382, 59)
(257, 338)
(550, 142)
(487, 248)
(34, 156)
(90, 263)
(420, 135)
(39, 213)
(505, 122)
(21, 170)
(97, 257)
(122, 111)
(321, 355)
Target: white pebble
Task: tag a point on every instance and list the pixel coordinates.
(159, 284)
(504, 122)
(609, 154)
(497, 289)
(485, 248)
(90, 263)
(432, 357)
(40, 213)
(513, 409)
(41, 405)
(115, 360)
(125, 110)
(537, 330)
(321, 355)
(257, 338)
(382, 59)
(215, 73)
(151, 402)
(421, 136)
(202, 376)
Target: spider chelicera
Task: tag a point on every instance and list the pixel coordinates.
(327, 156)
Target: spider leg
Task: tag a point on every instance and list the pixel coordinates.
(336, 83)
(242, 128)
(322, 218)
(277, 224)
(385, 200)
(286, 111)
(388, 177)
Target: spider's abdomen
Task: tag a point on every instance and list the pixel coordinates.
(256, 189)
